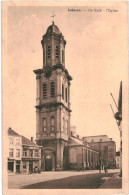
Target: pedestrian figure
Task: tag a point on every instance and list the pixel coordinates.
(105, 168)
(100, 168)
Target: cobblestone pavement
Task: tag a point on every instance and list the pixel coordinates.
(20, 180)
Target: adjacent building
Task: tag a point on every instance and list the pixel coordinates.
(118, 160)
(14, 151)
(24, 154)
(79, 155)
(31, 156)
(106, 147)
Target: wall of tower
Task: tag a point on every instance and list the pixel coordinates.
(48, 81)
(53, 41)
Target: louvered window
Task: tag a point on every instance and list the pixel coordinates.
(49, 52)
(62, 91)
(44, 91)
(52, 89)
(57, 52)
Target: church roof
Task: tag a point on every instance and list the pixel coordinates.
(12, 132)
(53, 29)
(76, 142)
(97, 138)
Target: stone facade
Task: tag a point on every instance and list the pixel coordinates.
(24, 154)
(14, 151)
(53, 100)
(80, 156)
(106, 146)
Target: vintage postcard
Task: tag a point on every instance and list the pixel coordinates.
(65, 97)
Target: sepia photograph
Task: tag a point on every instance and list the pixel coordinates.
(65, 97)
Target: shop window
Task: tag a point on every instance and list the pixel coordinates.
(52, 89)
(24, 165)
(44, 124)
(44, 91)
(52, 123)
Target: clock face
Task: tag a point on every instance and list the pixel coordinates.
(47, 71)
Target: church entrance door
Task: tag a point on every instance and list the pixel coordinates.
(48, 163)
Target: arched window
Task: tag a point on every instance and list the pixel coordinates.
(57, 52)
(63, 125)
(63, 56)
(52, 89)
(62, 91)
(44, 91)
(44, 124)
(52, 123)
(66, 95)
(49, 51)
(66, 127)
(44, 55)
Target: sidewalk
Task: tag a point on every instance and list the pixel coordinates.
(115, 182)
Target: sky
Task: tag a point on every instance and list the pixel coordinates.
(95, 56)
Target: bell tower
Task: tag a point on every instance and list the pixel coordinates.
(53, 101)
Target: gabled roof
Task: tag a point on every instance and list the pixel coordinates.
(97, 138)
(77, 142)
(26, 141)
(12, 132)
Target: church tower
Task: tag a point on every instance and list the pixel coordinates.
(53, 101)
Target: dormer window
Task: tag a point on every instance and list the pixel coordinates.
(49, 52)
(57, 52)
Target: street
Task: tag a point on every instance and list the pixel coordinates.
(90, 179)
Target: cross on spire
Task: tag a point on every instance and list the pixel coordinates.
(53, 17)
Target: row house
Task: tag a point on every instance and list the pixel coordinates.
(31, 158)
(14, 151)
(24, 156)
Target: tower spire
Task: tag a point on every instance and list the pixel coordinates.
(53, 17)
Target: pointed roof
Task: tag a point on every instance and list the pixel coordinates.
(12, 132)
(77, 142)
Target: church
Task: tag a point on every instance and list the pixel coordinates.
(60, 149)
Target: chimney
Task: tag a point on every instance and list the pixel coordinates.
(32, 139)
